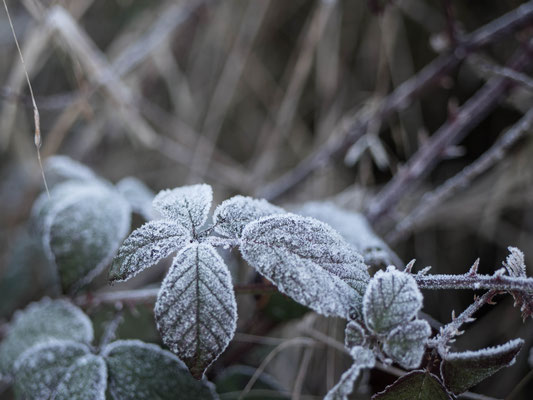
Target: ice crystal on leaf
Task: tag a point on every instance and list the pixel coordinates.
(391, 299)
(354, 335)
(86, 379)
(139, 371)
(355, 229)
(40, 322)
(146, 246)
(419, 385)
(461, 371)
(40, 369)
(187, 205)
(363, 358)
(307, 260)
(406, 343)
(83, 232)
(138, 195)
(196, 312)
(232, 215)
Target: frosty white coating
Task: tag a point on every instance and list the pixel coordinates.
(187, 205)
(307, 260)
(138, 195)
(363, 358)
(39, 322)
(406, 343)
(514, 263)
(146, 246)
(233, 214)
(391, 298)
(84, 231)
(355, 229)
(62, 168)
(354, 335)
(86, 379)
(40, 369)
(139, 371)
(196, 312)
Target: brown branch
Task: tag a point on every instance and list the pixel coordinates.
(475, 282)
(430, 201)
(451, 133)
(401, 97)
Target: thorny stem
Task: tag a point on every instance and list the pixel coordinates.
(475, 282)
(400, 98)
(451, 330)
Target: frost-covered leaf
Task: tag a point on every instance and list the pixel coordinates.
(196, 312)
(461, 371)
(40, 369)
(147, 245)
(187, 205)
(40, 322)
(83, 232)
(63, 168)
(363, 358)
(354, 335)
(139, 371)
(86, 379)
(516, 267)
(419, 385)
(232, 215)
(308, 261)
(406, 343)
(392, 298)
(355, 229)
(233, 380)
(138, 195)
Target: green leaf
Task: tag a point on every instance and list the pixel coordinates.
(40, 322)
(62, 168)
(308, 261)
(86, 379)
(392, 298)
(40, 369)
(419, 385)
(235, 378)
(83, 232)
(461, 371)
(139, 371)
(406, 344)
(354, 335)
(146, 246)
(196, 312)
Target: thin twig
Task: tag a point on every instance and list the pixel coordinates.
(431, 200)
(36, 118)
(400, 99)
(474, 282)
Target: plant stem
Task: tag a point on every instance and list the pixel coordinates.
(475, 282)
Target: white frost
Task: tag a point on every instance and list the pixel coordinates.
(406, 343)
(86, 379)
(146, 246)
(363, 358)
(307, 260)
(232, 215)
(39, 322)
(514, 263)
(187, 205)
(196, 312)
(138, 195)
(391, 298)
(354, 335)
(62, 168)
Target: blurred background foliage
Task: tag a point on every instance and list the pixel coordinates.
(236, 93)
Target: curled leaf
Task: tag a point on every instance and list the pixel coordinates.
(461, 371)
(354, 335)
(406, 344)
(308, 261)
(196, 312)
